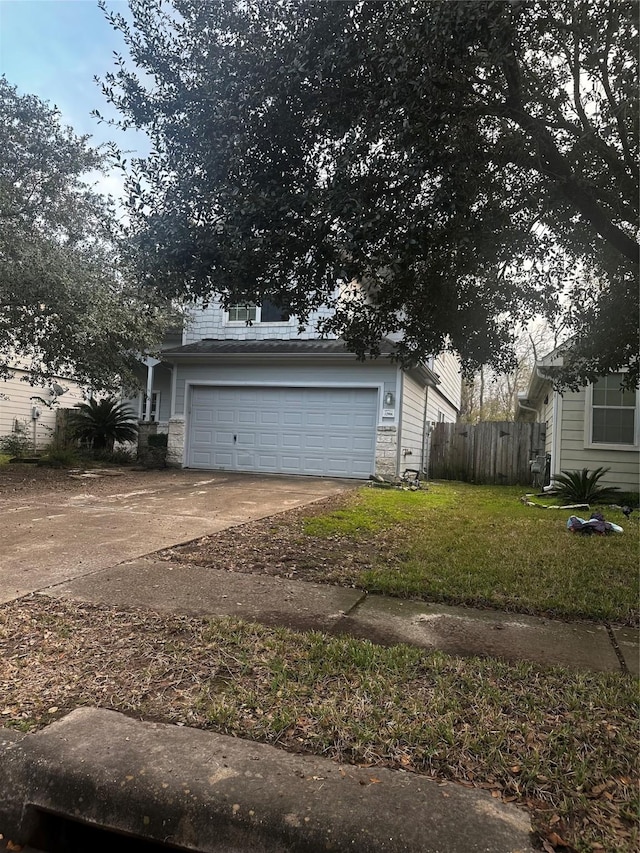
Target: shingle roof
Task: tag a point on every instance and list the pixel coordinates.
(211, 346)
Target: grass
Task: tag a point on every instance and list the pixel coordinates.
(563, 744)
(480, 545)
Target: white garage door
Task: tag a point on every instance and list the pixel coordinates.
(322, 431)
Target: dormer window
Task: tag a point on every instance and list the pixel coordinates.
(267, 312)
(242, 313)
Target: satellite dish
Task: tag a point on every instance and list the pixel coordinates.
(58, 390)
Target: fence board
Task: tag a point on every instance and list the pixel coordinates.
(490, 452)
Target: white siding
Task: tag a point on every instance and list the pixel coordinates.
(447, 366)
(439, 408)
(624, 464)
(16, 406)
(210, 322)
(412, 425)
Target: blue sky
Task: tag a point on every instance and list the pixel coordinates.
(53, 49)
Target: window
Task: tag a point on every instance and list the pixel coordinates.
(268, 312)
(613, 412)
(154, 411)
(242, 313)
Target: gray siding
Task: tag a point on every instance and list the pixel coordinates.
(211, 322)
(284, 373)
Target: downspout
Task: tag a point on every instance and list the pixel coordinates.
(400, 402)
(556, 440)
(424, 459)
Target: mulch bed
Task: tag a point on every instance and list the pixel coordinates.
(279, 547)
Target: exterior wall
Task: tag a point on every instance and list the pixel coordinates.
(387, 450)
(447, 366)
(281, 372)
(412, 424)
(162, 382)
(439, 408)
(16, 406)
(624, 464)
(211, 322)
(546, 416)
(380, 373)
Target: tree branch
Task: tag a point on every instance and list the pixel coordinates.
(555, 166)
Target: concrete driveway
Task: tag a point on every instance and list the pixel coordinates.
(51, 537)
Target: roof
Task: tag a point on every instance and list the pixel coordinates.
(274, 346)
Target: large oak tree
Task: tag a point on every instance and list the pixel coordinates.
(67, 306)
(465, 162)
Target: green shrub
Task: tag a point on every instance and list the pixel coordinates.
(582, 487)
(59, 457)
(117, 456)
(16, 444)
(155, 455)
(100, 423)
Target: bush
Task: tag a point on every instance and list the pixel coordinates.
(16, 444)
(101, 423)
(582, 487)
(155, 455)
(118, 456)
(59, 457)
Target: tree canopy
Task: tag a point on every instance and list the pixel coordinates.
(466, 163)
(66, 305)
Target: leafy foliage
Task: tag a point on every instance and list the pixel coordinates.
(582, 486)
(101, 423)
(66, 305)
(16, 444)
(464, 162)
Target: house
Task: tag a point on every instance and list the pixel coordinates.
(23, 407)
(596, 426)
(266, 397)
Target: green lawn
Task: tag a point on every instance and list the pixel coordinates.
(559, 742)
(480, 545)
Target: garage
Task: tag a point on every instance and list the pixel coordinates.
(283, 430)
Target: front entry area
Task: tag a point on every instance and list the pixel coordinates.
(283, 430)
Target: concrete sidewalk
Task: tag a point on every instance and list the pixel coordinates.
(49, 537)
(196, 590)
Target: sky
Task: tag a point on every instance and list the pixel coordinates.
(53, 49)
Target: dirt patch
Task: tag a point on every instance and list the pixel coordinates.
(279, 547)
(25, 480)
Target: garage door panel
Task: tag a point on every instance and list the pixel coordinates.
(319, 431)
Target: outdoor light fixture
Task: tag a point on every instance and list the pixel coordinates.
(389, 400)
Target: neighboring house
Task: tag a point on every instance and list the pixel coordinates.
(266, 397)
(597, 426)
(23, 413)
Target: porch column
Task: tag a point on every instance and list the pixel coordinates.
(150, 364)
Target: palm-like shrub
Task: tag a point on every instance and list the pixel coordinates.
(100, 423)
(582, 486)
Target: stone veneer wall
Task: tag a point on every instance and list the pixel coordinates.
(175, 442)
(387, 450)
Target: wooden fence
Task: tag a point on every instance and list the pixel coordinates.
(492, 452)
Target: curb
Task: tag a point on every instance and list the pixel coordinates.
(200, 791)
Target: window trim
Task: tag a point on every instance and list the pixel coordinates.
(589, 443)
